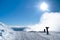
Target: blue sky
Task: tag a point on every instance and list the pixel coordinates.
(24, 12)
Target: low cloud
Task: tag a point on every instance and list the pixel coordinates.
(51, 20)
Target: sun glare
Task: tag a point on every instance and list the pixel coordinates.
(44, 6)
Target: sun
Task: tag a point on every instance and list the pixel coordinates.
(44, 6)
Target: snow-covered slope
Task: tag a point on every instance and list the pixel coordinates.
(36, 36)
(7, 32)
(51, 36)
(28, 36)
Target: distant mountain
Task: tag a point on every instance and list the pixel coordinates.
(19, 29)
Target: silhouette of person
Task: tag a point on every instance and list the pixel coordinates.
(44, 30)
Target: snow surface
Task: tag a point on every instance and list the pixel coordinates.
(28, 36)
(51, 36)
(37, 36)
(9, 34)
(22, 35)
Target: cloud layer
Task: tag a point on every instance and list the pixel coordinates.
(51, 20)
